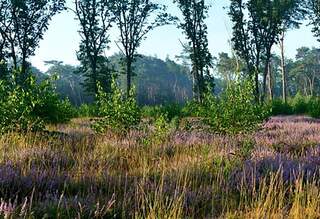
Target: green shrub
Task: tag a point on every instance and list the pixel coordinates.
(87, 110)
(299, 104)
(234, 111)
(170, 110)
(118, 113)
(314, 107)
(29, 107)
(16, 110)
(49, 106)
(280, 108)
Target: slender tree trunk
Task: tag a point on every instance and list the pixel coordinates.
(270, 81)
(265, 74)
(129, 74)
(283, 69)
(14, 57)
(256, 81)
(94, 75)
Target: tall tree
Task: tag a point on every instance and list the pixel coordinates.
(194, 27)
(95, 19)
(313, 7)
(23, 25)
(135, 19)
(306, 70)
(293, 20)
(261, 30)
(246, 40)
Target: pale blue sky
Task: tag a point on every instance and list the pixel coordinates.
(61, 41)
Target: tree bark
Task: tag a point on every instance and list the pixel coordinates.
(129, 73)
(283, 69)
(270, 81)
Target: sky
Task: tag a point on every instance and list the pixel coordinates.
(61, 41)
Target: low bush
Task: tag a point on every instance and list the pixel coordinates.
(234, 111)
(87, 110)
(299, 104)
(119, 113)
(280, 108)
(170, 110)
(314, 107)
(29, 107)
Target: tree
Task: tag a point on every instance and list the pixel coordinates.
(23, 24)
(135, 19)
(257, 35)
(95, 19)
(292, 20)
(228, 67)
(246, 41)
(313, 7)
(194, 13)
(305, 70)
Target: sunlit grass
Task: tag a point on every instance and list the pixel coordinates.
(72, 173)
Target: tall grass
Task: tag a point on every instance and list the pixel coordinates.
(192, 174)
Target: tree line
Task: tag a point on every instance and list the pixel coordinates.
(257, 27)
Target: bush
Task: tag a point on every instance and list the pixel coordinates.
(49, 106)
(119, 113)
(314, 107)
(170, 110)
(280, 108)
(28, 107)
(86, 110)
(299, 104)
(16, 110)
(234, 111)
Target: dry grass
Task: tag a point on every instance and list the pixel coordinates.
(72, 173)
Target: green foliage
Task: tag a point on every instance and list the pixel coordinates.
(87, 110)
(235, 111)
(27, 108)
(314, 107)
(119, 113)
(281, 108)
(299, 104)
(49, 107)
(16, 110)
(170, 110)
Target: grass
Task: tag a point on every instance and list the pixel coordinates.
(70, 172)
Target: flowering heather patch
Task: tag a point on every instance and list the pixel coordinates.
(70, 172)
(290, 134)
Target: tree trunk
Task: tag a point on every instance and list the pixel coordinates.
(256, 81)
(129, 74)
(270, 81)
(264, 82)
(283, 69)
(94, 76)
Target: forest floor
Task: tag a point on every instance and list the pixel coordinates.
(188, 172)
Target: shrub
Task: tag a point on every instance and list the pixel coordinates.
(49, 106)
(234, 111)
(16, 110)
(170, 110)
(299, 104)
(280, 108)
(118, 113)
(314, 107)
(28, 107)
(86, 110)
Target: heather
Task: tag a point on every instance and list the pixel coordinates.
(73, 172)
